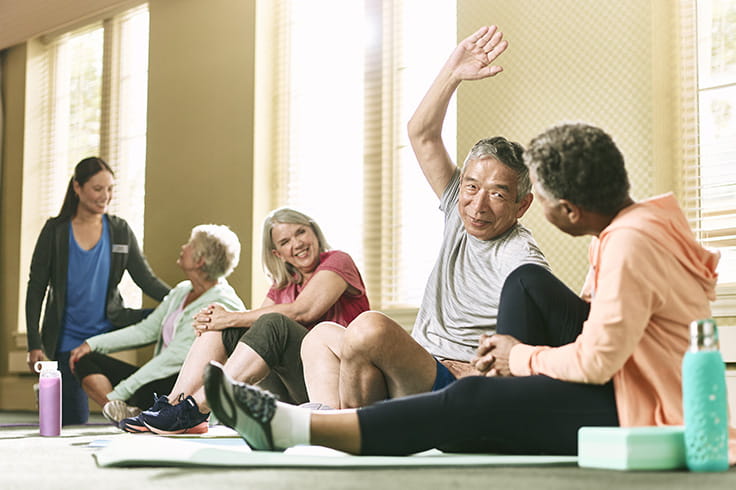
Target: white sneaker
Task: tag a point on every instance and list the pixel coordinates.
(117, 410)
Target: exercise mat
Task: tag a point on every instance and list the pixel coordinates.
(149, 450)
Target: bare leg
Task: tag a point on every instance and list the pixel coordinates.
(244, 364)
(321, 359)
(97, 386)
(206, 347)
(338, 430)
(380, 360)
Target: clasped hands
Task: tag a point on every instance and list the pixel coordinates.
(493, 353)
(211, 317)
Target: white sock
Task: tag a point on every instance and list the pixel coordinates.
(290, 425)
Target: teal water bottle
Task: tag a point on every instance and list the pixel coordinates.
(704, 400)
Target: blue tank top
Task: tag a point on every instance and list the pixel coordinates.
(86, 291)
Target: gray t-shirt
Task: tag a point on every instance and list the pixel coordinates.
(461, 298)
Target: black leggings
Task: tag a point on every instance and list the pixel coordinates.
(116, 370)
(522, 415)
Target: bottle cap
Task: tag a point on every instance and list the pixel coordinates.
(41, 366)
(703, 335)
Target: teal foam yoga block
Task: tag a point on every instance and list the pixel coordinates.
(632, 448)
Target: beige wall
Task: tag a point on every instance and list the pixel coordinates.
(21, 20)
(200, 128)
(13, 93)
(575, 60)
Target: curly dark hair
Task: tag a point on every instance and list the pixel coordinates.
(582, 164)
(510, 153)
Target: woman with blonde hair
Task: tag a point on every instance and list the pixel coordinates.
(310, 284)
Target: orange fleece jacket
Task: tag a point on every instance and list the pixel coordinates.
(648, 280)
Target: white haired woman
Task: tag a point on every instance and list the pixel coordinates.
(311, 284)
(122, 389)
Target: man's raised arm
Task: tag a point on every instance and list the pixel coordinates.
(471, 60)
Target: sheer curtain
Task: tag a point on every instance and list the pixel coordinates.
(345, 92)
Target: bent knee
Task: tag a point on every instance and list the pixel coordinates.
(269, 320)
(528, 271)
(269, 324)
(84, 367)
(527, 275)
(370, 330)
(324, 335)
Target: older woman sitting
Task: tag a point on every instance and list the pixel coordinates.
(122, 389)
(311, 284)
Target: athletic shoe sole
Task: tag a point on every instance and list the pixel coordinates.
(233, 404)
(136, 427)
(200, 428)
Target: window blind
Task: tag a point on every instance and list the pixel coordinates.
(708, 88)
(344, 94)
(69, 110)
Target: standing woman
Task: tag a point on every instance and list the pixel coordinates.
(77, 264)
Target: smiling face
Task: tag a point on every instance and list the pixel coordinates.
(487, 201)
(297, 245)
(95, 194)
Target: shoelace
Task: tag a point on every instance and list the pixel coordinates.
(159, 402)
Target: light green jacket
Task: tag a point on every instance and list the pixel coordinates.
(168, 361)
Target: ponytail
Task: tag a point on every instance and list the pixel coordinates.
(71, 200)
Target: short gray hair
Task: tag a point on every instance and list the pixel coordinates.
(220, 248)
(279, 271)
(510, 153)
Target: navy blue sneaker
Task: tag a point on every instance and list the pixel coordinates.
(240, 406)
(135, 424)
(182, 418)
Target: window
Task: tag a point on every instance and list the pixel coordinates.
(710, 187)
(89, 89)
(346, 91)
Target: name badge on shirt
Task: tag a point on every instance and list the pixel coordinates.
(120, 248)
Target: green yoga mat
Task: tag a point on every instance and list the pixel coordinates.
(148, 450)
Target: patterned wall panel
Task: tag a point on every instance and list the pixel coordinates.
(568, 60)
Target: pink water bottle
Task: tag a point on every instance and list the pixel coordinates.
(49, 398)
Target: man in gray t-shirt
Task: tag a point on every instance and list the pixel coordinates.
(461, 297)
(374, 358)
